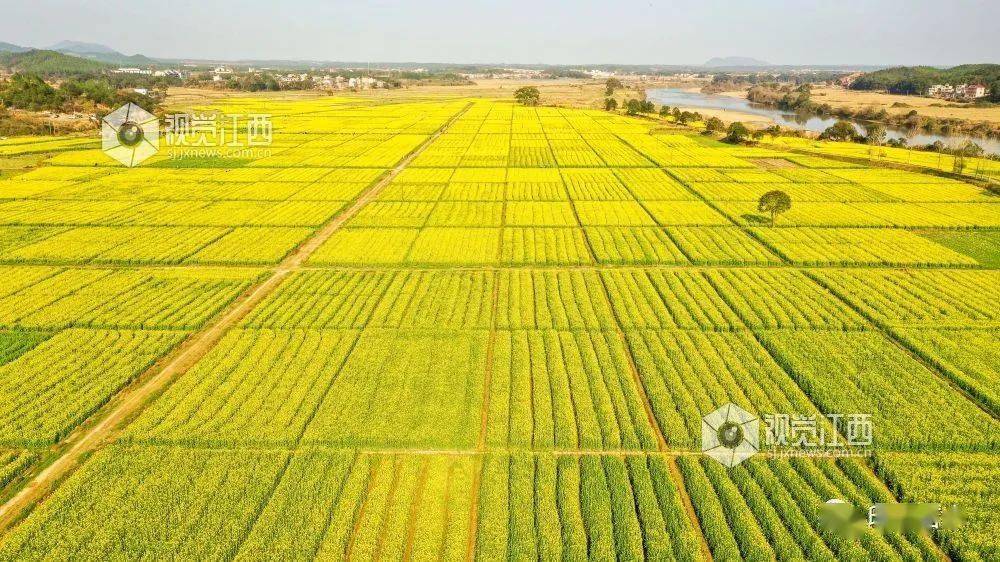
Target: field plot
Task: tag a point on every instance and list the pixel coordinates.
(257, 387)
(181, 503)
(983, 245)
(668, 299)
(970, 357)
(502, 349)
(641, 245)
(962, 479)
(401, 299)
(367, 507)
(775, 298)
(49, 390)
(405, 388)
(687, 372)
(722, 245)
(561, 300)
(928, 412)
(587, 507)
(860, 246)
(769, 510)
(932, 299)
(567, 391)
(51, 298)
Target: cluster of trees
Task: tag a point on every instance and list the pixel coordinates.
(553, 73)
(635, 106)
(797, 98)
(875, 134)
(30, 92)
(914, 80)
(783, 96)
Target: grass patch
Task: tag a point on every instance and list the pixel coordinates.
(982, 246)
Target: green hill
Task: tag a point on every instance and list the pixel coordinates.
(49, 63)
(916, 79)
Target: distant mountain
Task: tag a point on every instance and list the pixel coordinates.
(118, 59)
(735, 61)
(102, 53)
(11, 48)
(81, 48)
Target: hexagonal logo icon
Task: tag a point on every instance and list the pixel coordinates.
(730, 435)
(130, 134)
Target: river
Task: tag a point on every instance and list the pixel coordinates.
(688, 99)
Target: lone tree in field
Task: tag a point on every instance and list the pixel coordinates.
(714, 125)
(664, 111)
(528, 95)
(840, 131)
(774, 202)
(737, 132)
(875, 134)
(610, 104)
(633, 106)
(611, 85)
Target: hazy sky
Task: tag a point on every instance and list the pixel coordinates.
(938, 32)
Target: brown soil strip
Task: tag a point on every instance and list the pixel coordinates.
(678, 478)
(484, 417)
(359, 515)
(411, 526)
(474, 512)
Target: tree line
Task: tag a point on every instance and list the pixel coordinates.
(32, 93)
(914, 80)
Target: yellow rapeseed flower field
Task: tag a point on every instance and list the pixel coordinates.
(467, 329)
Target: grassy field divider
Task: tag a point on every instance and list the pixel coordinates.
(131, 401)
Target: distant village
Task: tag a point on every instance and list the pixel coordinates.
(222, 73)
(963, 92)
(331, 79)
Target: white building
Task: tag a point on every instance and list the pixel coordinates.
(971, 91)
(172, 73)
(133, 71)
(962, 91)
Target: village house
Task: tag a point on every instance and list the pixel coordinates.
(960, 92)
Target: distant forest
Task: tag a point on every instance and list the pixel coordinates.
(914, 80)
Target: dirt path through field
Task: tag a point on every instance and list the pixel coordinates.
(197, 345)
